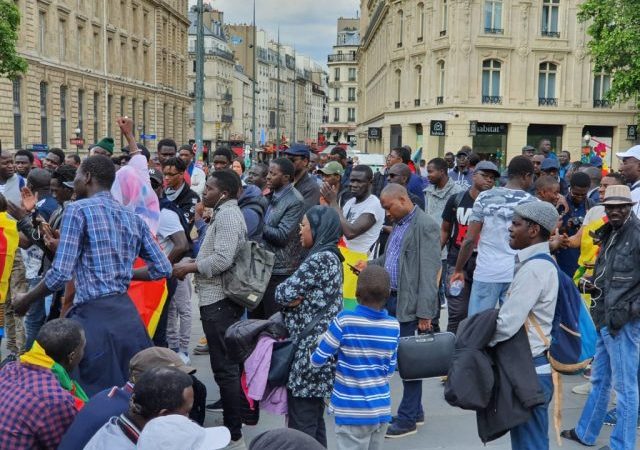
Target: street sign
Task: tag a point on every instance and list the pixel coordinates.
(374, 133)
(77, 141)
(40, 147)
(438, 128)
(632, 132)
(150, 137)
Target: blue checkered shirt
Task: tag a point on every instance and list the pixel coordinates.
(99, 241)
(394, 247)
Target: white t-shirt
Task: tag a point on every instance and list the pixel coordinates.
(494, 209)
(635, 196)
(353, 210)
(169, 225)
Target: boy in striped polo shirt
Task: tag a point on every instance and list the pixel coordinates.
(365, 341)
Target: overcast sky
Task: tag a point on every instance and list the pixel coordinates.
(310, 25)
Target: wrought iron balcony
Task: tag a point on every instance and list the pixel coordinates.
(443, 33)
(397, 105)
(601, 103)
(492, 99)
(416, 102)
(494, 30)
(439, 100)
(226, 118)
(227, 97)
(553, 34)
(342, 57)
(547, 101)
(399, 44)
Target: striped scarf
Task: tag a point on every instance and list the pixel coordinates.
(38, 357)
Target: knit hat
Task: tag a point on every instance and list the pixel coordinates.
(542, 213)
(107, 144)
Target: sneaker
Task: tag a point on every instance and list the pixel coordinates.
(184, 357)
(611, 419)
(582, 389)
(215, 406)
(394, 431)
(202, 340)
(201, 349)
(419, 420)
(237, 445)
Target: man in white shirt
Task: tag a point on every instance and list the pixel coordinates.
(630, 168)
(362, 216)
(194, 175)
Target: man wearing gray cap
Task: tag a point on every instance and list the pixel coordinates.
(455, 223)
(532, 299)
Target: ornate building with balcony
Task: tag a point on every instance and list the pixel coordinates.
(492, 74)
(343, 83)
(92, 61)
(219, 70)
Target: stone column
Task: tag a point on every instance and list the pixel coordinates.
(572, 141)
(516, 139)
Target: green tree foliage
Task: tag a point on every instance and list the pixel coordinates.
(614, 27)
(11, 64)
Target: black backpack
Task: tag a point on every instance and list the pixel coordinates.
(165, 203)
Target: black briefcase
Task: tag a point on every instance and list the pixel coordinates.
(425, 355)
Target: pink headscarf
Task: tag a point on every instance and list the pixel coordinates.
(132, 188)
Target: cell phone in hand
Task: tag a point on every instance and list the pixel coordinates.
(354, 269)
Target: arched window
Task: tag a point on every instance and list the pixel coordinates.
(398, 87)
(400, 27)
(418, 85)
(441, 83)
(491, 81)
(547, 84)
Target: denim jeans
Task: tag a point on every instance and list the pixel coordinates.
(411, 404)
(534, 433)
(615, 363)
(35, 317)
(486, 295)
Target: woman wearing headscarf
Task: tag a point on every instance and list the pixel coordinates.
(315, 289)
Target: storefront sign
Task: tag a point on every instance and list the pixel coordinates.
(438, 128)
(374, 133)
(480, 128)
(632, 132)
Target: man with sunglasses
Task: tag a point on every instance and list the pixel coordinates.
(304, 183)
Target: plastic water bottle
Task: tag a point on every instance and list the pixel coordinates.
(456, 288)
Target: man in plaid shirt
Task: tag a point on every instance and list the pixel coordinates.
(36, 409)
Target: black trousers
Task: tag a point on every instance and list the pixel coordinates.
(160, 336)
(458, 306)
(307, 415)
(268, 306)
(216, 318)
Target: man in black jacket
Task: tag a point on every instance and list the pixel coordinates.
(304, 183)
(280, 231)
(615, 291)
(178, 191)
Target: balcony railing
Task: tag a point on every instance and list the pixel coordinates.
(226, 118)
(601, 103)
(494, 30)
(492, 99)
(352, 79)
(553, 34)
(443, 33)
(227, 97)
(399, 44)
(396, 105)
(439, 100)
(547, 101)
(342, 57)
(416, 102)
(351, 99)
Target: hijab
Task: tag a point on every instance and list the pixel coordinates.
(132, 189)
(325, 230)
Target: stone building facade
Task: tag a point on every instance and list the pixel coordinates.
(343, 82)
(91, 61)
(493, 74)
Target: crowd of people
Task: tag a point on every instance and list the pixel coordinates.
(101, 259)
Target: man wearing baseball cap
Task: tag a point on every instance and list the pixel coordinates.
(615, 291)
(304, 183)
(461, 174)
(630, 168)
(332, 177)
(532, 299)
(115, 401)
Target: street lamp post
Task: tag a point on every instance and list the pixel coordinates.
(77, 132)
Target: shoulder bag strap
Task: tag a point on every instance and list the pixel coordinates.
(311, 325)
